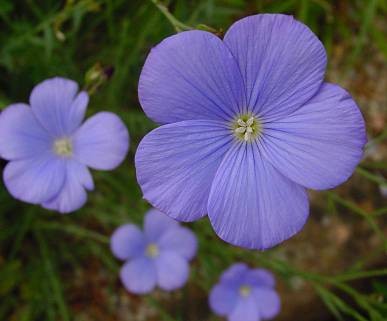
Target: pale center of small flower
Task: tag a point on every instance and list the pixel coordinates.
(152, 250)
(244, 290)
(247, 128)
(63, 147)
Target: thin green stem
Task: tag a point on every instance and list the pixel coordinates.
(330, 301)
(368, 16)
(377, 139)
(367, 216)
(372, 177)
(52, 277)
(323, 283)
(374, 165)
(365, 259)
(178, 25)
(74, 230)
(380, 211)
(22, 231)
(361, 300)
(62, 15)
(360, 275)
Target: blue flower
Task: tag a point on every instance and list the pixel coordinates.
(159, 255)
(248, 124)
(245, 294)
(49, 149)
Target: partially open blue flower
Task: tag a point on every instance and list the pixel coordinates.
(245, 294)
(159, 255)
(248, 125)
(50, 150)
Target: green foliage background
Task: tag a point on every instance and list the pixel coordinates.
(102, 44)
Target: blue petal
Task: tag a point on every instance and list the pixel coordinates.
(268, 302)
(139, 275)
(176, 163)
(56, 106)
(77, 110)
(179, 240)
(102, 142)
(282, 62)
(234, 275)
(320, 144)
(21, 135)
(156, 224)
(260, 277)
(191, 75)
(73, 195)
(127, 242)
(223, 299)
(35, 180)
(251, 204)
(245, 310)
(172, 271)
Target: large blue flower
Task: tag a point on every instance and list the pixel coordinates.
(50, 150)
(248, 125)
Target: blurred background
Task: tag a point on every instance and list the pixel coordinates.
(59, 267)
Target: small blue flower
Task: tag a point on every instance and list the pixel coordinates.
(248, 125)
(159, 255)
(245, 294)
(49, 149)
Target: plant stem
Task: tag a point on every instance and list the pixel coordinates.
(372, 177)
(178, 25)
(52, 277)
(76, 231)
(367, 216)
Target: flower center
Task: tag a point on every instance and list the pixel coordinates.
(63, 147)
(247, 128)
(152, 250)
(244, 290)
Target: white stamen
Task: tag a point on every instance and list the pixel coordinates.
(240, 130)
(241, 123)
(245, 128)
(63, 147)
(250, 121)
